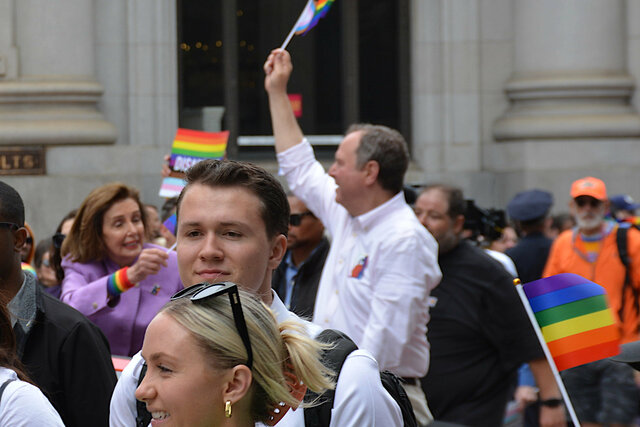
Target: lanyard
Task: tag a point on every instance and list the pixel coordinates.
(585, 256)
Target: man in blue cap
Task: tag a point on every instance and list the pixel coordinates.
(623, 208)
(530, 211)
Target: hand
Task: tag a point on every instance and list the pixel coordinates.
(552, 417)
(277, 69)
(150, 261)
(525, 394)
(165, 166)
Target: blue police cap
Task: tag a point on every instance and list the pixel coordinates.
(529, 205)
(624, 202)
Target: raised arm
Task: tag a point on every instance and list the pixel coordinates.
(286, 130)
(549, 416)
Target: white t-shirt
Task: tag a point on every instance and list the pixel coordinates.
(360, 398)
(24, 405)
(505, 260)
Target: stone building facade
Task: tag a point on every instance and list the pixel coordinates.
(504, 95)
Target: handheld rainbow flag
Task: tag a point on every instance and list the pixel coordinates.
(574, 318)
(190, 147)
(573, 323)
(29, 268)
(311, 14)
(170, 223)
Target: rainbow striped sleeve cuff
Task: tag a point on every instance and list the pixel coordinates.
(118, 282)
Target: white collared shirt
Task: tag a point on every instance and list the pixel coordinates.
(381, 267)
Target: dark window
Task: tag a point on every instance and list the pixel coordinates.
(350, 67)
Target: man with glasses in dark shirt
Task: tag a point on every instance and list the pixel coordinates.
(296, 278)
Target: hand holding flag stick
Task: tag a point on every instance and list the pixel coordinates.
(311, 14)
(572, 321)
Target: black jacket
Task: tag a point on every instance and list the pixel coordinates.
(479, 334)
(69, 358)
(306, 281)
(530, 256)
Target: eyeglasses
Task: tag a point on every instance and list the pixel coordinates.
(58, 238)
(203, 291)
(9, 225)
(296, 219)
(584, 201)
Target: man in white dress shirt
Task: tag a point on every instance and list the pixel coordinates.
(382, 263)
(231, 226)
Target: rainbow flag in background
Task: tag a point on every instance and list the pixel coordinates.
(189, 148)
(312, 13)
(575, 319)
(29, 268)
(171, 223)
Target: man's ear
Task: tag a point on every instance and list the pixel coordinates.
(19, 239)
(371, 169)
(238, 381)
(458, 224)
(278, 249)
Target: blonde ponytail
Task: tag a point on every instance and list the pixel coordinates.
(276, 348)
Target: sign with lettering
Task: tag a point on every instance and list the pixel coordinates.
(22, 160)
(296, 103)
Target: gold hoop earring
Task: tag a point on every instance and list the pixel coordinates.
(227, 409)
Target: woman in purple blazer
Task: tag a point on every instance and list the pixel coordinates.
(110, 274)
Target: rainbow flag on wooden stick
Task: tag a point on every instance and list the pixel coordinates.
(189, 148)
(574, 318)
(311, 14)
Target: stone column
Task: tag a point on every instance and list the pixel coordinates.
(49, 92)
(570, 78)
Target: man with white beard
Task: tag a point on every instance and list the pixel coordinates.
(602, 392)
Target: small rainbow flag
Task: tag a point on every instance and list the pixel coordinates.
(312, 13)
(29, 268)
(190, 147)
(575, 319)
(170, 223)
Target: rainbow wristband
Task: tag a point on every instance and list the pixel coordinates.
(118, 282)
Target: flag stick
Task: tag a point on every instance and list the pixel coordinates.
(293, 30)
(172, 247)
(289, 37)
(543, 343)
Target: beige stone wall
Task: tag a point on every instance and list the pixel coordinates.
(464, 55)
(128, 49)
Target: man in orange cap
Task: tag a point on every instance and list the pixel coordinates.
(602, 392)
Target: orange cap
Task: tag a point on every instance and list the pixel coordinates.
(589, 186)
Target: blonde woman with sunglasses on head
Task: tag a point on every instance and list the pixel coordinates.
(216, 357)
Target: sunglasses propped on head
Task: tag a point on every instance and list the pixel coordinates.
(203, 291)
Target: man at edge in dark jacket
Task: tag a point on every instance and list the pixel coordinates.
(64, 354)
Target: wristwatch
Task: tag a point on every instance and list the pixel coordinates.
(551, 403)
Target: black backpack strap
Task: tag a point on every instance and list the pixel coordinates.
(393, 384)
(333, 358)
(143, 417)
(4, 385)
(621, 241)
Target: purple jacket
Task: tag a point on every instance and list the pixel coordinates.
(125, 319)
